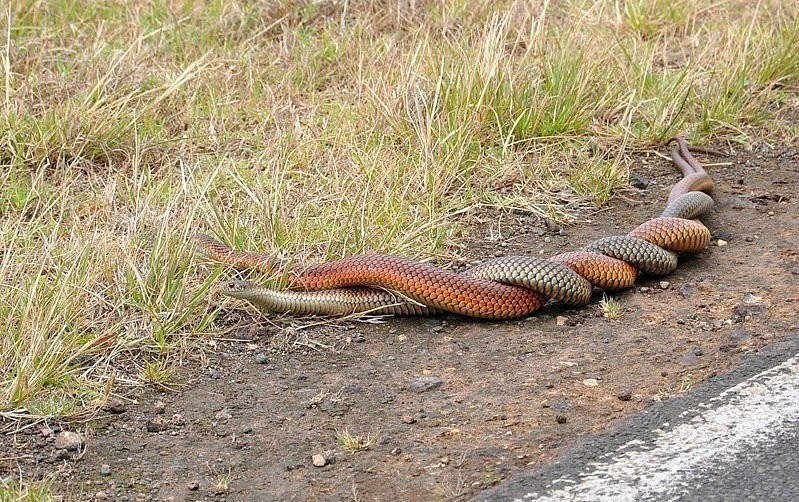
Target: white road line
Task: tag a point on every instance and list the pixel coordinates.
(754, 413)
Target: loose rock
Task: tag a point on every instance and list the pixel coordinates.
(426, 383)
(590, 382)
(638, 182)
(157, 424)
(159, 407)
(68, 441)
(561, 419)
(100, 495)
(408, 419)
(223, 415)
(105, 469)
(193, 485)
(687, 290)
(624, 395)
(260, 358)
(561, 320)
(721, 243)
(116, 406)
(319, 460)
(664, 284)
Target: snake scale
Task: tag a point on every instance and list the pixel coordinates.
(502, 288)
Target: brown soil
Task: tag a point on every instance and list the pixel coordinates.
(513, 394)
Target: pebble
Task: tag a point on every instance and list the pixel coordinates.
(319, 460)
(408, 419)
(750, 299)
(624, 395)
(664, 284)
(157, 424)
(401, 338)
(105, 469)
(561, 320)
(687, 290)
(426, 383)
(396, 451)
(223, 415)
(638, 182)
(177, 419)
(159, 407)
(193, 486)
(358, 338)
(698, 351)
(260, 358)
(745, 312)
(561, 419)
(116, 406)
(100, 495)
(68, 441)
(590, 382)
(644, 289)
(215, 374)
(721, 243)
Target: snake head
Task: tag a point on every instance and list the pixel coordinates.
(235, 287)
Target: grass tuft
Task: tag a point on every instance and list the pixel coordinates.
(354, 443)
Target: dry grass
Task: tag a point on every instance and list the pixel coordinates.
(315, 132)
(353, 443)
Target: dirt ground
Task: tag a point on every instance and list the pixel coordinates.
(453, 405)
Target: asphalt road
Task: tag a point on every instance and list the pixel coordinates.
(733, 438)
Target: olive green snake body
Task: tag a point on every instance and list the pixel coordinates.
(501, 288)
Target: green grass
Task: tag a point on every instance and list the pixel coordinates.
(25, 492)
(315, 133)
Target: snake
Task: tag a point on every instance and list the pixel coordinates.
(506, 287)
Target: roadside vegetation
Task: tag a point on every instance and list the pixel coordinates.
(314, 133)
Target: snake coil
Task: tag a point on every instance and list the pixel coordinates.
(502, 288)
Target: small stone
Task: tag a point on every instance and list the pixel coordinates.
(215, 374)
(698, 351)
(402, 338)
(46, 431)
(319, 460)
(157, 424)
(664, 284)
(687, 290)
(624, 395)
(644, 289)
(193, 486)
(721, 243)
(664, 373)
(159, 407)
(745, 312)
(750, 299)
(638, 182)
(561, 320)
(590, 382)
(260, 358)
(396, 451)
(561, 419)
(358, 338)
(223, 415)
(426, 383)
(749, 238)
(100, 495)
(68, 441)
(177, 419)
(105, 469)
(116, 406)
(408, 419)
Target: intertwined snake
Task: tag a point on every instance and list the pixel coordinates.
(502, 288)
